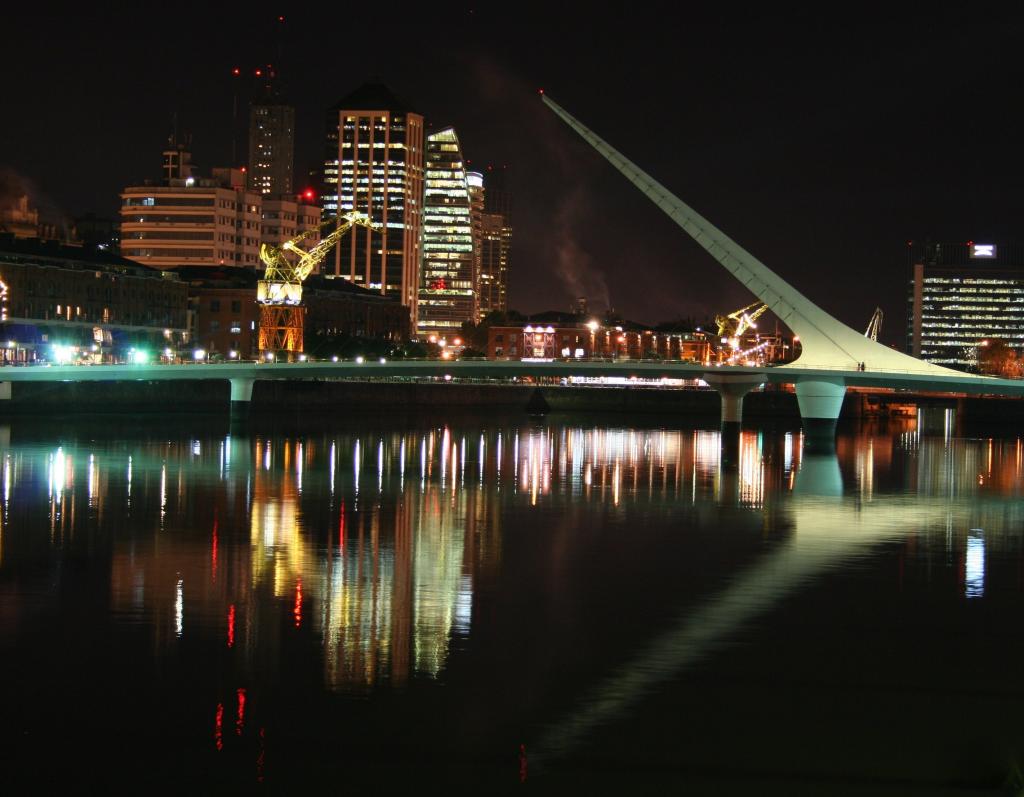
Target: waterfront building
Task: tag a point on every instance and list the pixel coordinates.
(447, 297)
(70, 302)
(555, 335)
(960, 295)
(206, 221)
(374, 165)
(271, 139)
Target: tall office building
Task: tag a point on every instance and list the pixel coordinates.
(495, 245)
(374, 165)
(960, 295)
(447, 283)
(271, 139)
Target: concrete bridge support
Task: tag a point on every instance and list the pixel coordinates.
(820, 401)
(5, 391)
(241, 393)
(732, 388)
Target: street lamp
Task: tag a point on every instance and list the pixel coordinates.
(593, 326)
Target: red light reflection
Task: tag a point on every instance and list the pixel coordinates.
(240, 722)
(213, 551)
(218, 727)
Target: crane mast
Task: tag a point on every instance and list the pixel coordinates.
(279, 293)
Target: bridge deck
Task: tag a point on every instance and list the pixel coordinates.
(924, 381)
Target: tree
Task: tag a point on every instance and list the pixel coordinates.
(475, 335)
(998, 358)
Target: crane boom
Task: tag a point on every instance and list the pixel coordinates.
(279, 293)
(282, 281)
(739, 321)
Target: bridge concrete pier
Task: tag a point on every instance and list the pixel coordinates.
(732, 388)
(241, 393)
(820, 400)
(5, 391)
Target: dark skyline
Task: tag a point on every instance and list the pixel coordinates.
(820, 145)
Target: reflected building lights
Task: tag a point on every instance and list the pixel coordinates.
(179, 608)
(332, 461)
(974, 579)
(751, 470)
(163, 493)
(387, 591)
(356, 463)
(91, 480)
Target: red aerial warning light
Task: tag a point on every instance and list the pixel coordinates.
(236, 71)
(540, 91)
(243, 169)
(259, 73)
(308, 193)
(280, 19)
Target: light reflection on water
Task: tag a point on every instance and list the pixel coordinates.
(381, 547)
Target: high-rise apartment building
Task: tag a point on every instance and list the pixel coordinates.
(447, 294)
(961, 295)
(206, 221)
(374, 165)
(271, 139)
(492, 279)
(475, 184)
(495, 245)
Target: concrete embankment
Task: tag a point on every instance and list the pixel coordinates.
(328, 397)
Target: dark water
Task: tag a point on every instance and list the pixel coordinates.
(469, 604)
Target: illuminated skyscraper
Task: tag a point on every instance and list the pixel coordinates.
(374, 165)
(271, 139)
(447, 285)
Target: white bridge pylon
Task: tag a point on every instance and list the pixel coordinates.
(827, 342)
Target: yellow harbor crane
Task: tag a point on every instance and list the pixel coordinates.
(279, 293)
(733, 326)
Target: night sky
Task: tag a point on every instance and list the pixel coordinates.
(822, 145)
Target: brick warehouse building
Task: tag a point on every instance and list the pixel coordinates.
(224, 316)
(562, 335)
(88, 302)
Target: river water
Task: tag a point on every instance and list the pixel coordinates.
(490, 604)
